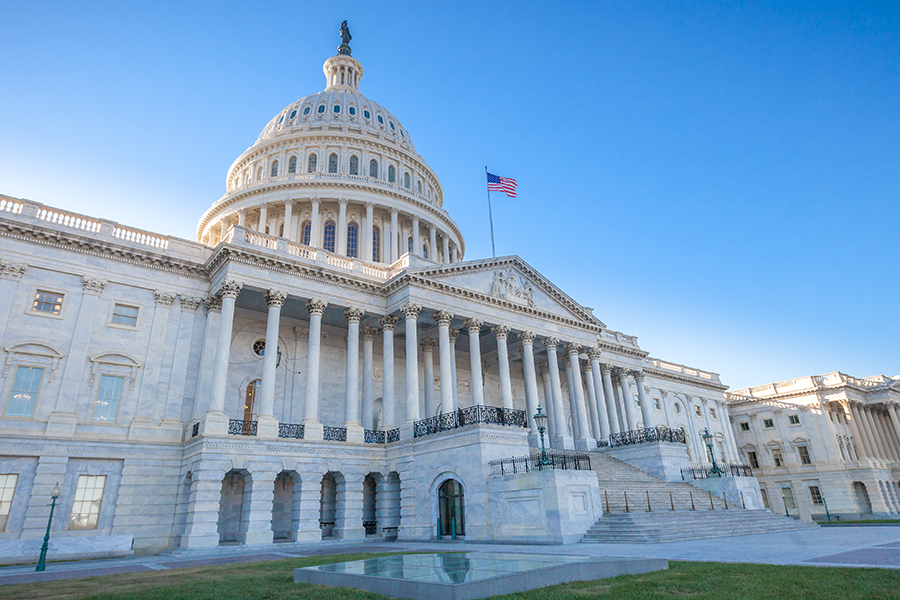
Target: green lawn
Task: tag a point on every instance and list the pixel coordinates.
(274, 580)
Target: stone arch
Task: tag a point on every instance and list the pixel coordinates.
(234, 507)
(328, 500)
(286, 506)
(372, 485)
(182, 501)
(436, 485)
(862, 497)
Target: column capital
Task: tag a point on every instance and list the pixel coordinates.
(527, 337)
(395, 212)
(544, 368)
(165, 299)
(388, 322)
(315, 201)
(367, 333)
(620, 372)
(410, 311)
(12, 270)
(343, 201)
(242, 212)
(638, 375)
(230, 288)
(275, 298)
(473, 325)
(454, 333)
(573, 348)
(93, 286)
(551, 343)
(190, 304)
(443, 318)
(316, 307)
(370, 205)
(501, 332)
(353, 314)
(427, 345)
(289, 202)
(606, 368)
(594, 353)
(213, 303)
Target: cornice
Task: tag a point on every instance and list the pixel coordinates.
(683, 379)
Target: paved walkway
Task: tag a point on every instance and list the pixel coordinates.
(825, 546)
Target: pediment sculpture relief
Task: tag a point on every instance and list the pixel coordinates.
(506, 287)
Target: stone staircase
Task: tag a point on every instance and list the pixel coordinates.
(639, 508)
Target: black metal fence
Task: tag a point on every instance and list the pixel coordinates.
(241, 427)
(653, 434)
(602, 444)
(334, 434)
(492, 415)
(706, 471)
(291, 431)
(370, 436)
(554, 460)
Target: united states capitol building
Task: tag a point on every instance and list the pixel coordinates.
(325, 362)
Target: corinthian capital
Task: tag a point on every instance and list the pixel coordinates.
(165, 299)
(427, 345)
(354, 315)
(501, 332)
(213, 303)
(12, 270)
(638, 375)
(527, 337)
(230, 288)
(443, 318)
(573, 348)
(367, 333)
(388, 322)
(316, 307)
(410, 311)
(551, 343)
(275, 298)
(454, 333)
(93, 286)
(190, 304)
(594, 353)
(473, 325)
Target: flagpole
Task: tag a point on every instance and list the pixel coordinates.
(490, 213)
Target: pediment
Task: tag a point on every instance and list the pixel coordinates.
(512, 280)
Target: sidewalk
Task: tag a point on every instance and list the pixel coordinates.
(838, 546)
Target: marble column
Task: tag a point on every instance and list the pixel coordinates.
(223, 229)
(260, 225)
(417, 241)
(894, 418)
(644, 399)
(427, 346)
(313, 428)
(561, 439)
(432, 243)
(454, 333)
(473, 326)
(602, 414)
(886, 441)
(242, 217)
(207, 358)
(387, 395)
(869, 429)
(531, 389)
(585, 440)
(289, 219)
(858, 435)
(267, 425)
(569, 399)
(314, 239)
(145, 416)
(448, 401)
(445, 242)
(610, 397)
(591, 399)
(501, 332)
(365, 252)
(395, 254)
(368, 396)
(729, 432)
(10, 275)
(355, 431)
(455, 254)
(216, 421)
(411, 313)
(176, 391)
(341, 237)
(627, 400)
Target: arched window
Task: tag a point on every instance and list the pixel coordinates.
(250, 400)
(406, 183)
(452, 508)
(425, 251)
(259, 173)
(354, 165)
(305, 232)
(312, 163)
(373, 168)
(392, 174)
(292, 165)
(353, 240)
(274, 172)
(332, 163)
(328, 242)
(419, 186)
(409, 244)
(376, 244)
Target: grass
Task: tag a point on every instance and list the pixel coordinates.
(273, 580)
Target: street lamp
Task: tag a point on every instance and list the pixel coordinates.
(540, 419)
(707, 439)
(54, 494)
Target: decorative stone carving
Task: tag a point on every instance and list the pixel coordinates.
(505, 287)
(367, 333)
(606, 368)
(454, 333)
(165, 299)
(501, 332)
(551, 343)
(527, 337)
(443, 318)
(353, 315)
(544, 368)
(388, 322)
(410, 311)
(639, 376)
(230, 288)
(275, 298)
(12, 270)
(94, 286)
(213, 303)
(473, 325)
(316, 307)
(594, 353)
(190, 304)
(427, 345)
(573, 348)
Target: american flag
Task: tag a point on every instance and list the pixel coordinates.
(506, 185)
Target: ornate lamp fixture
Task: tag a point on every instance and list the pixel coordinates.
(540, 419)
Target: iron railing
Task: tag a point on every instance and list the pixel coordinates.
(334, 434)
(492, 415)
(241, 427)
(706, 471)
(373, 437)
(602, 444)
(393, 435)
(652, 434)
(371, 527)
(569, 461)
(637, 500)
(291, 431)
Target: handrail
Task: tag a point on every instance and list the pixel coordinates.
(643, 500)
(707, 471)
(568, 461)
(652, 434)
(471, 415)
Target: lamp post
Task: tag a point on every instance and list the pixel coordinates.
(54, 494)
(707, 439)
(540, 419)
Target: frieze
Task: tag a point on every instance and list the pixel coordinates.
(506, 287)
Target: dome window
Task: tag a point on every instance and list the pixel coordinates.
(281, 119)
(292, 165)
(353, 240)
(373, 168)
(274, 172)
(312, 163)
(392, 174)
(259, 173)
(332, 163)
(406, 180)
(328, 242)
(419, 186)
(380, 120)
(391, 123)
(352, 110)
(293, 114)
(401, 134)
(305, 232)
(376, 244)
(321, 108)
(337, 108)
(306, 111)
(367, 114)
(354, 165)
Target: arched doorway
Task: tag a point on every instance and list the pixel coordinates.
(370, 517)
(451, 506)
(328, 506)
(862, 497)
(232, 520)
(286, 507)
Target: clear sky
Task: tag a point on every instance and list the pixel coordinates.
(719, 179)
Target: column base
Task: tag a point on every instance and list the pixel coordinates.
(355, 432)
(313, 431)
(563, 442)
(215, 422)
(267, 427)
(586, 443)
(534, 439)
(61, 424)
(353, 533)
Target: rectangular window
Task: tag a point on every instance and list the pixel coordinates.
(24, 392)
(803, 451)
(816, 495)
(7, 489)
(793, 419)
(768, 423)
(656, 404)
(788, 495)
(745, 426)
(765, 497)
(49, 303)
(776, 456)
(698, 410)
(109, 393)
(125, 315)
(754, 460)
(86, 508)
(712, 413)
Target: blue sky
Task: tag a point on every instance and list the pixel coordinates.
(719, 179)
